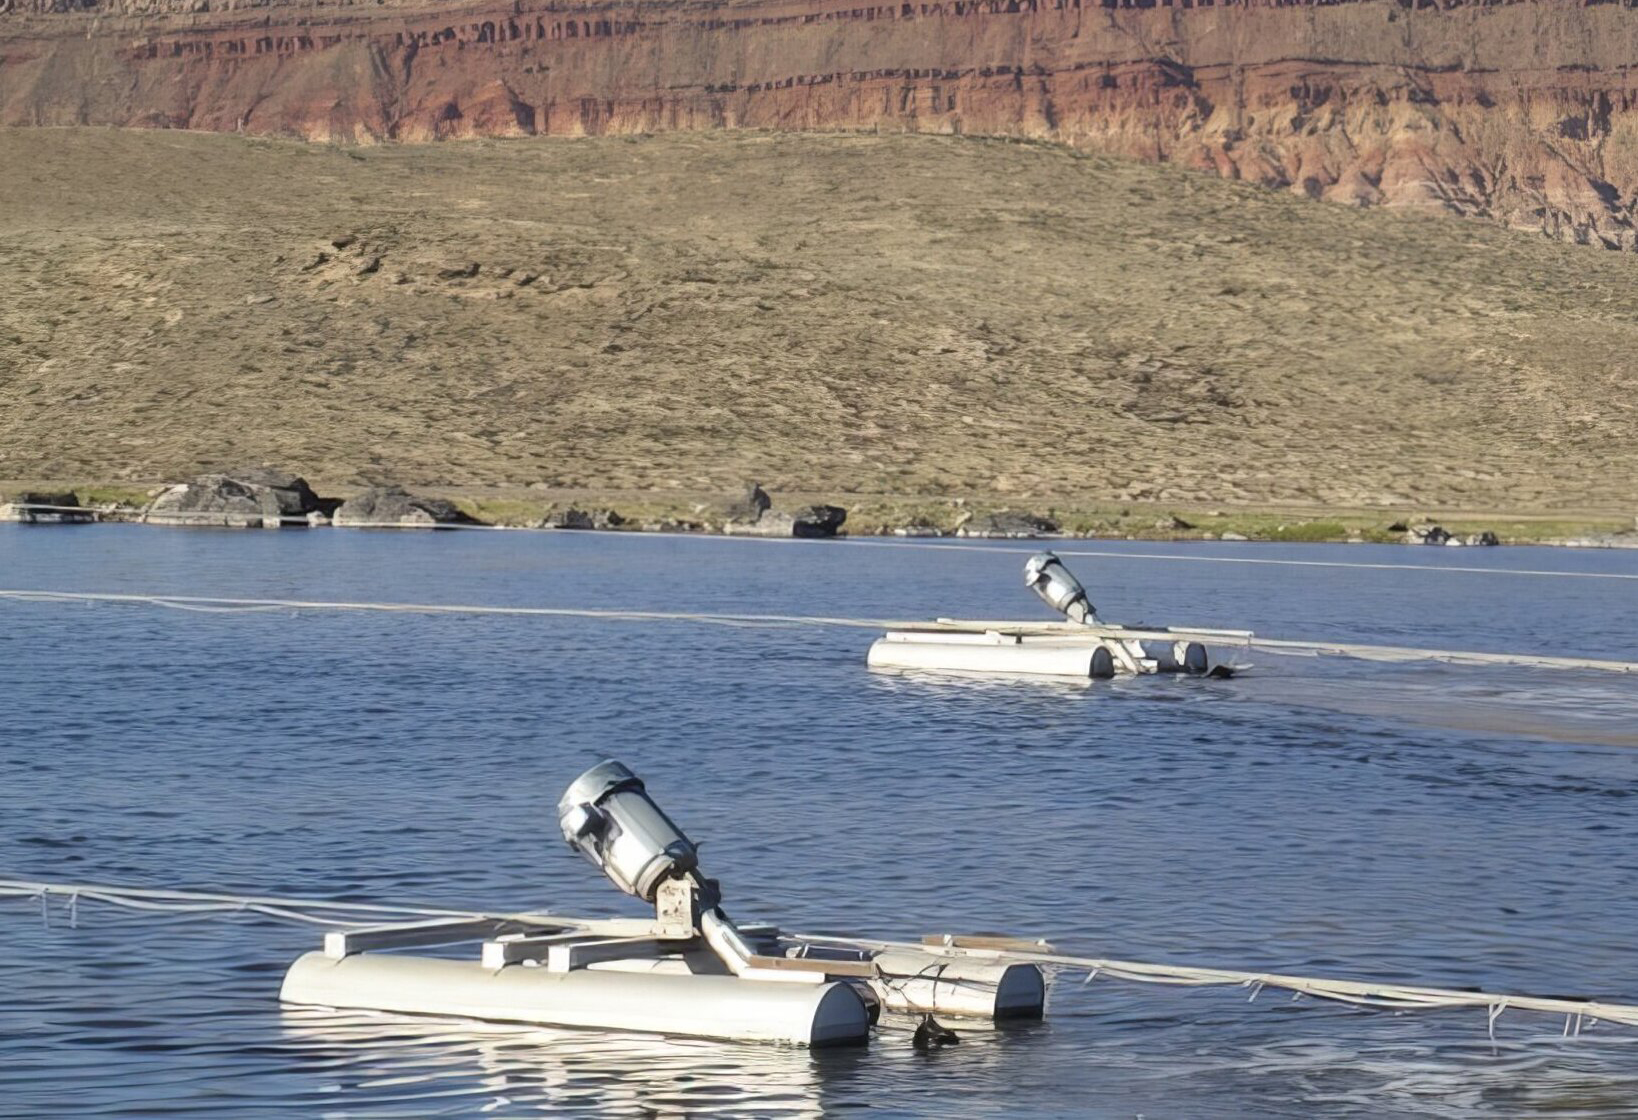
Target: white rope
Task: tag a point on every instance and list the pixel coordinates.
(1398, 997)
(1108, 554)
(1233, 639)
(186, 602)
(140, 517)
(143, 898)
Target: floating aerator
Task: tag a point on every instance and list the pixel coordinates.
(688, 970)
(1081, 646)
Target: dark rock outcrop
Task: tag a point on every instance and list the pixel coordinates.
(817, 521)
(1439, 535)
(574, 518)
(765, 521)
(258, 497)
(395, 507)
(36, 507)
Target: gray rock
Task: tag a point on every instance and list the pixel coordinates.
(395, 507)
(65, 509)
(750, 506)
(770, 523)
(1008, 523)
(808, 522)
(257, 497)
(918, 531)
(1430, 534)
(573, 518)
(1232, 536)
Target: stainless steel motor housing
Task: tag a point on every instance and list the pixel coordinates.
(607, 814)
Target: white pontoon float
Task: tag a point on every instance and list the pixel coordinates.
(687, 971)
(1082, 646)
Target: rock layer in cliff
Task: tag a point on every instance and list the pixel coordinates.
(1522, 111)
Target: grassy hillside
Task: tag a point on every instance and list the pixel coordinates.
(910, 317)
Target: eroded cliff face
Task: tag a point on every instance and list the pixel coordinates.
(1521, 111)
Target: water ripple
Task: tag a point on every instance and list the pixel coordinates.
(1428, 824)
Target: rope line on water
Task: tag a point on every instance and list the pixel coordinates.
(1578, 1013)
(1109, 554)
(202, 902)
(186, 602)
(130, 517)
(1240, 640)
(1396, 997)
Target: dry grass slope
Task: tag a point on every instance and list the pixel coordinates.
(908, 316)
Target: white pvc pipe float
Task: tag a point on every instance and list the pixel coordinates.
(991, 653)
(944, 985)
(717, 1007)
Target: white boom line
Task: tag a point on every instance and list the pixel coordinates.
(1399, 997)
(1223, 638)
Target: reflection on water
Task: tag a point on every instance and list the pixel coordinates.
(591, 1073)
(512, 1068)
(1444, 825)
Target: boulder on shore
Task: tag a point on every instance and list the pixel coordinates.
(259, 497)
(1439, 535)
(749, 506)
(393, 507)
(575, 518)
(817, 521)
(808, 522)
(1430, 534)
(1009, 524)
(37, 507)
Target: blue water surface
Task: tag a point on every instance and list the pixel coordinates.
(1419, 823)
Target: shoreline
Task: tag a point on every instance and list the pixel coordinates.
(954, 517)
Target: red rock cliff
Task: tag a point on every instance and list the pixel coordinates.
(1522, 111)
